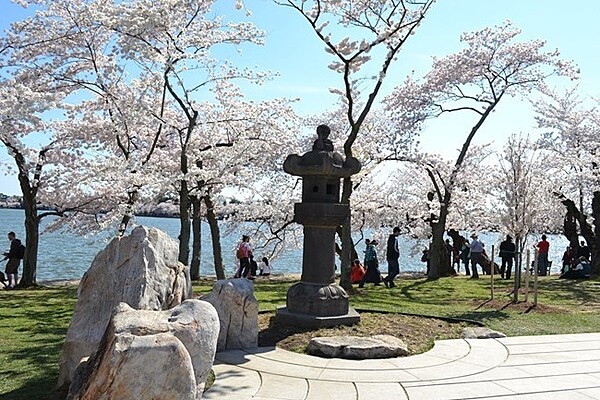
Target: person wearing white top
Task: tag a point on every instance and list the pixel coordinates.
(264, 267)
(476, 249)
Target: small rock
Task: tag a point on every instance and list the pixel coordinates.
(481, 333)
(357, 347)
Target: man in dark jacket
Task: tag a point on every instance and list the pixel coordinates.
(14, 256)
(507, 254)
(392, 254)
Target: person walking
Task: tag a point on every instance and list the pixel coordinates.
(14, 256)
(372, 263)
(465, 256)
(507, 254)
(392, 254)
(476, 248)
(543, 247)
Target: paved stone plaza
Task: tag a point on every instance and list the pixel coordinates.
(565, 367)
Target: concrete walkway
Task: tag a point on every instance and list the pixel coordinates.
(565, 367)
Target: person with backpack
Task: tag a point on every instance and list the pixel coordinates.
(14, 256)
(243, 252)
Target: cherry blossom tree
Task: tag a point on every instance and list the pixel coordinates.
(376, 33)
(571, 127)
(522, 195)
(141, 75)
(63, 46)
(38, 151)
(493, 65)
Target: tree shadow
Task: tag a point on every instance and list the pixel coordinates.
(406, 290)
(579, 290)
(278, 331)
(483, 316)
(42, 387)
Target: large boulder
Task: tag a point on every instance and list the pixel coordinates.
(238, 313)
(146, 355)
(142, 270)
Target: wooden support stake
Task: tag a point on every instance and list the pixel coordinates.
(535, 279)
(492, 270)
(527, 274)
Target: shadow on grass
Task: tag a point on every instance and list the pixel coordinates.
(406, 290)
(485, 317)
(33, 329)
(580, 291)
(278, 331)
(39, 388)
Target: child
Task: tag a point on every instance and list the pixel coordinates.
(358, 272)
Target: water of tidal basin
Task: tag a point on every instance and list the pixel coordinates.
(68, 256)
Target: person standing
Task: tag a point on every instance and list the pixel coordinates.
(465, 256)
(450, 251)
(543, 246)
(243, 254)
(392, 254)
(476, 248)
(253, 268)
(14, 256)
(507, 254)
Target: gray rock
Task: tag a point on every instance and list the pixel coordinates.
(142, 270)
(357, 347)
(481, 333)
(238, 313)
(147, 355)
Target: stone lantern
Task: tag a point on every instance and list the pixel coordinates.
(316, 300)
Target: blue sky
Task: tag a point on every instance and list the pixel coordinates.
(293, 51)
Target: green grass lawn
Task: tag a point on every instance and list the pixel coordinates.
(33, 323)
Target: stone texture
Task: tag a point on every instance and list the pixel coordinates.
(481, 333)
(317, 299)
(357, 348)
(286, 317)
(141, 270)
(238, 313)
(148, 355)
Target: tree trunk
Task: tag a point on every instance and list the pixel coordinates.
(592, 236)
(32, 225)
(439, 262)
(185, 226)
(594, 242)
(197, 238)
(570, 229)
(132, 197)
(215, 235)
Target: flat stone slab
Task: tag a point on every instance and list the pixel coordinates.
(357, 347)
(481, 333)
